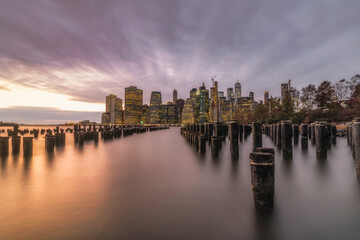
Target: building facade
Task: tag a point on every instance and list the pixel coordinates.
(155, 107)
(133, 105)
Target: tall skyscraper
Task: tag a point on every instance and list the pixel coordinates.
(230, 93)
(266, 97)
(237, 91)
(251, 95)
(113, 108)
(202, 105)
(174, 96)
(155, 107)
(133, 104)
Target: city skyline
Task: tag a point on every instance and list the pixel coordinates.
(67, 56)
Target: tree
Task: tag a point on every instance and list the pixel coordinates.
(307, 97)
(324, 95)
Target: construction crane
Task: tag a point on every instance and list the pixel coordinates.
(213, 79)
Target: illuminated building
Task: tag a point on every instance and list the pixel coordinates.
(133, 104)
(114, 112)
(145, 114)
(221, 94)
(237, 90)
(251, 95)
(180, 104)
(188, 115)
(246, 107)
(225, 109)
(230, 93)
(155, 107)
(202, 105)
(169, 114)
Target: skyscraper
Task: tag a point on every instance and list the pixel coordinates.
(251, 95)
(133, 104)
(174, 96)
(266, 97)
(155, 107)
(230, 93)
(202, 106)
(188, 115)
(113, 108)
(221, 94)
(237, 91)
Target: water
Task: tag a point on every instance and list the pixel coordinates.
(155, 186)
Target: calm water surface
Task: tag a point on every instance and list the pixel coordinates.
(155, 186)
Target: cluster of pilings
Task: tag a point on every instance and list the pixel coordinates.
(353, 139)
(56, 137)
(215, 133)
(320, 134)
(27, 142)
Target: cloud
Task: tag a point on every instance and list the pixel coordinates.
(88, 49)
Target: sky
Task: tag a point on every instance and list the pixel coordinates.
(60, 58)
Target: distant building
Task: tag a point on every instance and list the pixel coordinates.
(237, 90)
(230, 93)
(174, 96)
(202, 105)
(155, 107)
(180, 104)
(266, 97)
(188, 115)
(285, 89)
(251, 95)
(246, 107)
(133, 105)
(114, 112)
(169, 114)
(221, 94)
(145, 114)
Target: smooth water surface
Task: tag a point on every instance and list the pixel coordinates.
(156, 186)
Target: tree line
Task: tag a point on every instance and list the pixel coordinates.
(337, 102)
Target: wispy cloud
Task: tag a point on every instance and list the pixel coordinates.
(87, 49)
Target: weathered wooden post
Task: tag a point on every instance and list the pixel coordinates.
(333, 133)
(4, 146)
(49, 143)
(304, 136)
(295, 133)
(278, 135)
(27, 146)
(234, 131)
(313, 133)
(256, 136)
(202, 143)
(57, 139)
(15, 142)
(81, 139)
(262, 180)
(286, 142)
(356, 140)
(320, 141)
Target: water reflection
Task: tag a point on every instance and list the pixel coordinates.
(141, 184)
(264, 225)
